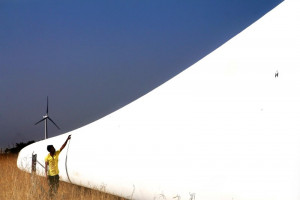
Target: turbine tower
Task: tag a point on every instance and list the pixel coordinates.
(45, 118)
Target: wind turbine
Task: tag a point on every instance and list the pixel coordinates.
(45, 118)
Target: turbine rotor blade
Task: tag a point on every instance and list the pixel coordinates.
(53, 122)
(40, 121)
(47, 106)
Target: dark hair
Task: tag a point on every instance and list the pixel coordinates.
(49, 147)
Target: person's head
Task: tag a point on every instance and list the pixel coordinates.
(51, 148)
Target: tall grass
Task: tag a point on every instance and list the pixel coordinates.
(18, 185)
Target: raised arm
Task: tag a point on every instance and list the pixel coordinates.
(63, 146)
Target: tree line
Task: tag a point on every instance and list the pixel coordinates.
(18, 147)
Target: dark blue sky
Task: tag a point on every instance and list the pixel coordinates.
(93, 57)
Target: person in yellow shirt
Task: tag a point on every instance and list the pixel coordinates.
(51, 167)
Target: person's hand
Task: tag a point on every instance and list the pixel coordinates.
(69, 137)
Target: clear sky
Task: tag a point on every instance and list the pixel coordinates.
(93, 57)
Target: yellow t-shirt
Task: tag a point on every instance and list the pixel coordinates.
(52, 163)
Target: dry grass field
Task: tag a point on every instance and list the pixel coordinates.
(18, 185)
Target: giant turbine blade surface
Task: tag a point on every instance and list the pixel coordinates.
(225, 128)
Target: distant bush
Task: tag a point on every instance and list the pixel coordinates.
(18, 147)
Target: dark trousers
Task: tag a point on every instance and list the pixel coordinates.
(53, 182)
